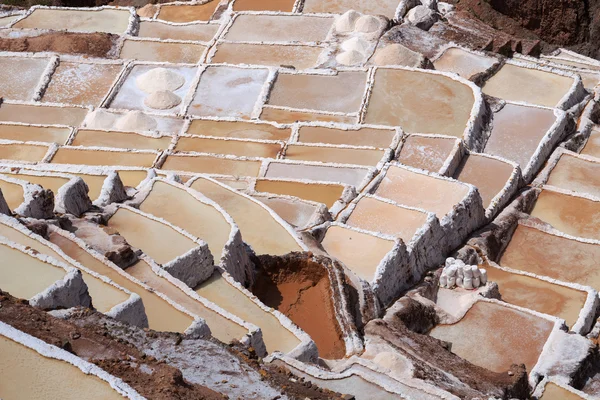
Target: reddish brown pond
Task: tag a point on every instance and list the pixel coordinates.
(300, 288)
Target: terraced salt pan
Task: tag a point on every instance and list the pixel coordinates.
(159, 241)
(84, 156)
(381, 138)
(592, 146)
(130, 178)
(195, 32)
(221, 292)
(131, 97)
(297, 56)
(90, 138)
(420, 102)
(299, 214)
(463, 63)
(573, 215)
(555, 392)
(323, 193)
(517, 132)
(221, 328)
(576, 174)
(264, 5)
(339, 155)
(104, 295)
(237, 129)
(571, 63)
(107, 20)
(146, 50)
(330, 93)
(185, 211)
(13, 193)
(233, 147)
(188, 13)
(320, 173)
(162, 316)
(26, 133)
(226, 91)
(30, 375)
(114, 120)
(81, 83)
(426, 152)
(211, 165)
(23, 275)
(489, 175)
(5, 21)
(279, 28)
(533, 86)
(413, 189)
(259, 229)
(45, 180)
(22, 152)
(545, 297)
(545, 254)
(48, 115)
(286, 116)
(503, 336)
(376, 215)
(361, 252)
(373, 7)
(29, 70)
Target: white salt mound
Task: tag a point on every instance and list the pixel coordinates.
(351, 57)
(345, 22)
(99, 119)
(356, 44)
(367, 24)
(162, 100)
(160, 79)
(136, 121)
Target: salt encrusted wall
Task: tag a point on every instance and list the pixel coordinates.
(4, 208)
(131, 311)
(113, 191)
(57, 353)
(72, 198)
(37, 202)
(454, 159)
(193, 267)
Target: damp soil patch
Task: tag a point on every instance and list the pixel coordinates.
(89, 44)
(299, 287)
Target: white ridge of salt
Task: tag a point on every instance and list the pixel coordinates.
(162, 100)
(160, 79)
(351, 57)
(356, 44)
(345, 23)
(367, 24)
(136, 121)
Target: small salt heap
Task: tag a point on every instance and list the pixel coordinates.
(345, 22)
(99, 119)
(457, 274)
(135, 121)
(162, 100)
(160, 84)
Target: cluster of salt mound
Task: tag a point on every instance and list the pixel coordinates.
(160, 83)
(362, 28)
(136, 121)
(457, 273)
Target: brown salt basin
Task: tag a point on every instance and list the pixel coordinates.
(576, 174)
(82, 156)
(495, 337)
(420, 102)
(47, 182)
(13, 193)
(296, 56)
(35, 377)
(299, 214)
(279, 28)
(211, 165)
(188, 13)
(234, 147)
(428, 153)
(22, 152)
(238, 129)
(528, 85)
(106, 20)
(162, 51)
(541, 253)
(87, 137)
(299, 288)
(463, 63)
(322, 173)
(337, 155)
(324, 193)
(34, 133)
(160, 30)
(48, 115)
(284, 116)
(104, 295)
(29, 71)
(573, 215)
(555, 392)
(264, 5)
(545, 297)
(373, 7)
(592, 147)
(380, 138)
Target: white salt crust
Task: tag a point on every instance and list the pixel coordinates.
(319, 215)
(57, 353)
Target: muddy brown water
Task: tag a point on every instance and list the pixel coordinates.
(369, 157)
(420, 102)
(463, 63)
(47, 182)
(211, 165)
(489, 175)
(319, 192)
(592, 147)
(576, 174)
(381, 138)
(495, 337)
(185, 13)
(576, 216)
(189, 53)
(296, 213)
(29, 114)
(322, 173)
(22, 152)
(237, 129)
(264, 5)
(34, 133)
(13, 194)
(29, 375)
(279, 28)
(555, 392)
(428, 153)
(301, 290)
(87, 137)
(233, 147)
(66, 155)
(160, 30)
(300, 57)
(288, 117)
